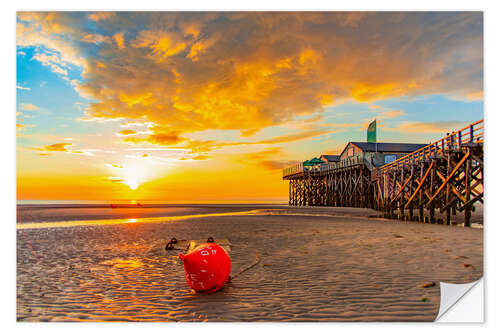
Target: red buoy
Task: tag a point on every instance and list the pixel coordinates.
(207, 267)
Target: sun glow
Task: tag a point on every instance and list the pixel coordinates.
(133, 183)
(134, 173)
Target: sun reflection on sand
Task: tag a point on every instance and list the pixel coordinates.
(123, 263)
(62, 224)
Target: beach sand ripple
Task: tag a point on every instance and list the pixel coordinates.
(344, 267)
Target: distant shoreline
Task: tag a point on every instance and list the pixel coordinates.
(138, 203)
(103, 205)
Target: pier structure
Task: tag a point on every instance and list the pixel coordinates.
(345, 183)
(445, 176)
(405, 181)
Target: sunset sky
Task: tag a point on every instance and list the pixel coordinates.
(209, 107)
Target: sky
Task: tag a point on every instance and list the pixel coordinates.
(211, 106)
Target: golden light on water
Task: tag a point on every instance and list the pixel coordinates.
(123, 263)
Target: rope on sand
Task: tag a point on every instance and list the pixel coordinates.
(257, 261)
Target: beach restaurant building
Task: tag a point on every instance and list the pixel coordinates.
(378, 153)
(372, 154)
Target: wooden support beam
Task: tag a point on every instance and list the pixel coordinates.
(401, 189)
(471, 202)
(453, 189)
(448, 205)
(447, 201)
(467, 208)
(462, 161)
(431, 186)
(420, 184)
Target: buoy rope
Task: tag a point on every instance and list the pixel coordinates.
(257, 261)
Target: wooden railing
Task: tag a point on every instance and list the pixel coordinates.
(299, 168)
(474, 133)
(323, 167)
(342, 164)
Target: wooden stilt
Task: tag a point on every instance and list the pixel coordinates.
(467, 192)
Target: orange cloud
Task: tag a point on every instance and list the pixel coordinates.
(200, 157)
(61, 147)
(57, 147)
(163, 139)
(119, 40)
(127, 132)
(162, 43)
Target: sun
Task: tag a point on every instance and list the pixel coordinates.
(133, 173)
(132, 183)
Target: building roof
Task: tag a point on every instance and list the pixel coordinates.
(331, 158)
(388, 147)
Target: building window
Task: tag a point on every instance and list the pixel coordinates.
(389, 158)
(350, 151)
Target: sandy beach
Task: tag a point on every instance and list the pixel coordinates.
(316, 264)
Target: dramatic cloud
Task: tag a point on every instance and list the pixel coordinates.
(189, 72)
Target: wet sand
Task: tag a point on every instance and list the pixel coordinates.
(317, 264)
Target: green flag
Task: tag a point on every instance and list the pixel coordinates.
(371, 133)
